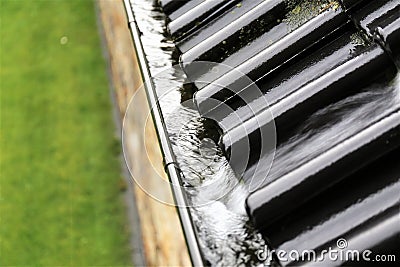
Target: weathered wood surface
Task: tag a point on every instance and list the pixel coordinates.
(163, 240)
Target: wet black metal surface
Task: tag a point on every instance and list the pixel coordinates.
(325, 170)
(230, 15)
(186, 7)
(328, 56)
(197, 16)
(171, 5)
(247, 27)
(381, 21)
(258, 45)
(295, 108)
(366, 199)
(325, 73)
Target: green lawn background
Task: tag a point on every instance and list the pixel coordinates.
(60, 193)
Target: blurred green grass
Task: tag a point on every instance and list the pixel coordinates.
(60, 195)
